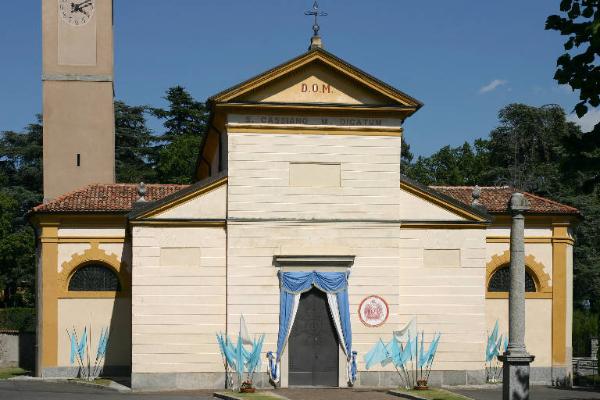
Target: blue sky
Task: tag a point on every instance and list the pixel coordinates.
(465, 59)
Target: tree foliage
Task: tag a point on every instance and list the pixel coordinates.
(21, 157)
(17, 248)
(579, 23)
(20, 190)
(462, 165)
(185, 123)
(578, 67)
(585, 326)
(526, 148)
(134, 144)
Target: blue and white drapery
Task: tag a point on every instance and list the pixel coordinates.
(292, 285)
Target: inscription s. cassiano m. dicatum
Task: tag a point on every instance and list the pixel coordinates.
(297, 120)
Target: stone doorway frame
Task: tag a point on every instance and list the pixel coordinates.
(320, 263)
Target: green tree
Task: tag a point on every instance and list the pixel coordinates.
(406, 157)
(579, 23)
(21, 157)
(585, 326)
(461, 165)
(578, 68)
(21, 178)
(185, 122)
(17, 253)
(526, 148)
(134, 144)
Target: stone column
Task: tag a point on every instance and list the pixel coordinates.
(515, 382)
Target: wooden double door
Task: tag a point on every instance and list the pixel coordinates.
(313, 346)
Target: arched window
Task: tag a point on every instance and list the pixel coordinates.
(500, 281)
(96, 277)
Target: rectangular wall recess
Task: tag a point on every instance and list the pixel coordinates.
(315, 174)
(441, 257)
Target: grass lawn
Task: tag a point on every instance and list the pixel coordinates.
(6, 373)
(251, 396)
(97, 381)
(432, 394)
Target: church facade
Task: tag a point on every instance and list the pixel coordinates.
(299, 172)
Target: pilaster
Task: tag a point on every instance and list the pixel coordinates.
(47, 337)
(560, 242)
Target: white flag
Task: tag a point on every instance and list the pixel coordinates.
(244, 335)
(410, 330)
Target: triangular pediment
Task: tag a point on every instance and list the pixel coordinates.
(316, 77)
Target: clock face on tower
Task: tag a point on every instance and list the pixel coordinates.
(76, 12)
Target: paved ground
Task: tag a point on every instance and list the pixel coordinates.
(537, 393)
(335, 394)
(35, 390)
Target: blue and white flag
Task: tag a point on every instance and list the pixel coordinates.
(376, 355)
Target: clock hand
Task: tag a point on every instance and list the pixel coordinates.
(80, 6)
(85, 3)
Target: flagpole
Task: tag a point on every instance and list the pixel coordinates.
(407, 376)
(411, 362)
(388, 354)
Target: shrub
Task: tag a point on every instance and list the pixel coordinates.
(19, 319)
(585, 325)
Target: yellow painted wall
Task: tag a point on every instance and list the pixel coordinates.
(538, 326)
(97, 314)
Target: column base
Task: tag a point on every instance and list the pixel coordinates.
(515, 374)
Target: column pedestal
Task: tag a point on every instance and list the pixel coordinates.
(515, 373)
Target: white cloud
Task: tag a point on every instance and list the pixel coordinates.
(493, 85)
(588, 121)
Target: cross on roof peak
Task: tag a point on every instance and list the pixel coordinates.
(315, 13)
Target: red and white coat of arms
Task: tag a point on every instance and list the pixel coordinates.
(373, 311)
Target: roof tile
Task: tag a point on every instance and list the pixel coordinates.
(120, 197)
(496, 199)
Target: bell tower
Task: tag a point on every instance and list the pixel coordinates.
(77, 80)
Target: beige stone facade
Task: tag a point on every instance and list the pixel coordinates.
(302, 161)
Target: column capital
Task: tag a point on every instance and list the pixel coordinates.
(518, 203)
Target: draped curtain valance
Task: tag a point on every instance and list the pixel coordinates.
(300, 282)
(335, 285)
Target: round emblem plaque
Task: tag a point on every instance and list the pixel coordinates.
(373, 311)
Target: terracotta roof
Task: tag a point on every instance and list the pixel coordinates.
(120, 197)
(495, 199)
(117, 197)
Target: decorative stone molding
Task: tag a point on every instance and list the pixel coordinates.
(93, 254)
(535, 268)
(313, 261)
